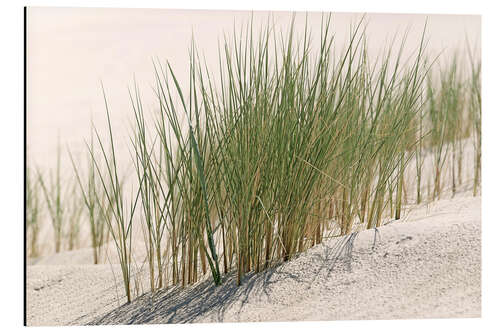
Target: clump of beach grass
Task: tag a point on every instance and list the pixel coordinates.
(75, 210)
(452, 110)
(96, 205)
(274, 150)
(54, 194)
(33, 213)
(120, 220)
(474, 97)
(285, 143)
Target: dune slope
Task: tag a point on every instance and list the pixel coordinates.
(426, 266)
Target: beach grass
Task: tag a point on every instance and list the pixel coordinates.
(97, 208)
(55, 196)
(120, 220)
(33, 214)
(287, 142)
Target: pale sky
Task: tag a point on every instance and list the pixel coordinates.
(70, 50)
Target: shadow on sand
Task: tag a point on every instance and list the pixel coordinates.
(184, 305)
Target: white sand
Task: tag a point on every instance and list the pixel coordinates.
(428, 266)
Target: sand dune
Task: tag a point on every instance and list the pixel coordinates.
(425, 266)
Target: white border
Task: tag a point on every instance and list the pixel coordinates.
(11, 190)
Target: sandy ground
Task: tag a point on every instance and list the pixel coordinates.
(426, 266)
